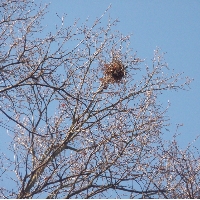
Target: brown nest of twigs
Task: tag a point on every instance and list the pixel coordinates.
(113, 73)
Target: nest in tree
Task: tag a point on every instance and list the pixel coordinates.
(113, 72)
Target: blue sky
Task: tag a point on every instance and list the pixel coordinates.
(174, 26)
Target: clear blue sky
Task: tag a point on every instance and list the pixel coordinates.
(174, 26)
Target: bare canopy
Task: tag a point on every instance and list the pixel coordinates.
(82, 110)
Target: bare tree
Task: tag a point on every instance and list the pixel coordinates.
(176, 170)
(83, 112)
